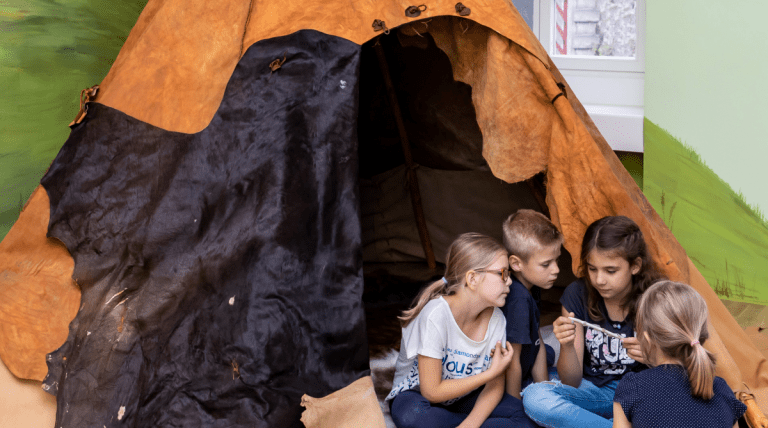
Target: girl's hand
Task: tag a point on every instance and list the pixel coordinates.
(632, 345)
(500, 358)
(565, 330)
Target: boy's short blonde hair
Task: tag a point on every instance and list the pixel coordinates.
(527, 231)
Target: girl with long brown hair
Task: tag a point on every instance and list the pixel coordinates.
(681, 390)
(450, 371)
(615, 270)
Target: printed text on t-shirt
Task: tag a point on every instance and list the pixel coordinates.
(606, 353)
(454, 368)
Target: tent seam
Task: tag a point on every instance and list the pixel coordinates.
(245, 28)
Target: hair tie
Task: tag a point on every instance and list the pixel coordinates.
(445, 281)
(694, 343)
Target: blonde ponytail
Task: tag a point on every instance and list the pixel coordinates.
(432, 291)
(700, 365)
(674, 318)
(470, 251)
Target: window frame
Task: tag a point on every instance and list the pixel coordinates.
(544, 19)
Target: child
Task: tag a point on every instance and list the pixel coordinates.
(615, 270)
(533, 243)
(444, 375)
(681, 390)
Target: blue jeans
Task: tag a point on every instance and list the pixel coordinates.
(552, 372)
(554, 405)
(409, 409)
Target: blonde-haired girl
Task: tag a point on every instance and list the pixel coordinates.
(444, 375)
(681, 390)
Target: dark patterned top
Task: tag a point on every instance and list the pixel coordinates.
(661, 397)
(522, 312)
(605, 360)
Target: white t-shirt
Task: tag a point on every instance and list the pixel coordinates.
(434, 333)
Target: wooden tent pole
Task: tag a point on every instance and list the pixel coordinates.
(413, 184)
(536, 184)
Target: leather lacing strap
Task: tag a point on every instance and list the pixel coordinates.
(277, 63)
(245, 29)
(414, 11)
(235, 370)
(426, 27)
(754, 416)
(86, 96)
(561, 94)
(464, 29)
(379, 25)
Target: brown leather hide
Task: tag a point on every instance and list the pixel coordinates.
(174, 67)
(38, 297)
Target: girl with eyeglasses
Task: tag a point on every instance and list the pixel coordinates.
(445, 375)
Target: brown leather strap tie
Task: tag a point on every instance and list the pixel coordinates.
(86, 96)
(462, 26)
(754, 416)
(462, 10)
(379, 25)
(276, 64)
(415, 11)
(562, 92)
(416, 31)
(235, 370)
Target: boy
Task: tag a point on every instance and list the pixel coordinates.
(533, 243)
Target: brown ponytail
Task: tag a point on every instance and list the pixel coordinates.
(470, 251)
(674, 316)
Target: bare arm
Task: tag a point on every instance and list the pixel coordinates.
(620, 419)
(488, 399)
(571, 337)
(539, 370)
(436, 390)
(514, 376)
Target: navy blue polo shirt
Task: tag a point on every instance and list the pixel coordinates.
(522, 312)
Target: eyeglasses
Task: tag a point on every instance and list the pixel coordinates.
(503, 272)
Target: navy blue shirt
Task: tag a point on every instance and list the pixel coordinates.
(605, 360)
(522, 312)
(661, 397)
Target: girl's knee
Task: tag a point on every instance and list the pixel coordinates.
(537, 397)
(409, 416)
(409, 410)
(537, 391)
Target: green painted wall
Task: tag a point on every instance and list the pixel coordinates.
(706, 134)
(723, 236)
(49, 51)
(706, 65)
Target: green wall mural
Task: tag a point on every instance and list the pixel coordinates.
(49, 52)
(725, 237)
(704, 62)
(704, 65)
